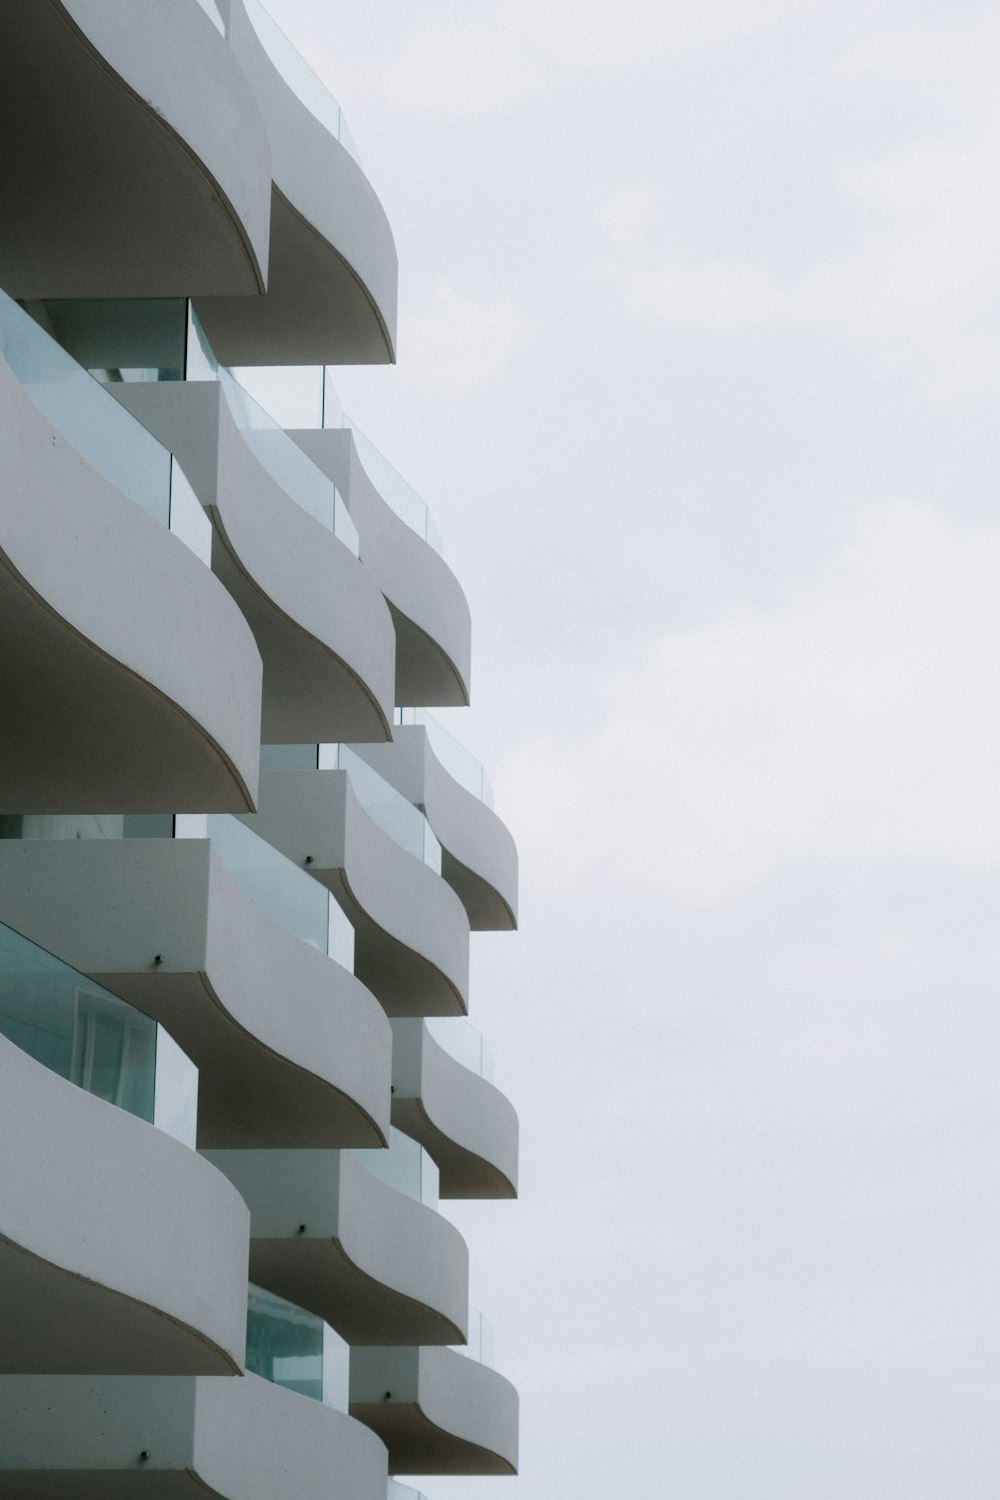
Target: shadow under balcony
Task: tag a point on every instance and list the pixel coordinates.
(286, 550)
(136, 161)
(121, 1250)
(438, 775)
(291, 1049)
(332, 277)
(437, 1411)
(129, 678)
(329, 1236)
(411, 930)
(442, 1099)
(429, 608)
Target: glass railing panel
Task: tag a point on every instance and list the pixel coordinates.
(397, 1491)
(288, 895)
(389, 809)
(285, 893)
(288, 465)
(94, 1039)
(460, 763)
(296, 1349)
(398, 494)
(405, 1166)
(104, 434)
(462, 1041)
(309, 89)
(479, 1345)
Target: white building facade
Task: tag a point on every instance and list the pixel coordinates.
(240, 861)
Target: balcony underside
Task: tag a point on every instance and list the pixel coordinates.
(321, 625)
(121, 1251)
(129, 680)
(437, 1412)
(138, 164)
(329, 1236)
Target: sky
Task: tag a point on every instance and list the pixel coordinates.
(698, 370)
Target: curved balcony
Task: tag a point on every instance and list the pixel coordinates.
(144, 707)
(478, 855)
(330, 1237)
(291, 1049)
(411, 931)
(97, 1438)
(136, 160)
(286, 551)
(332, 279)
(436, 1411)
(133, 1259)
(465, 1123)
(429, 609)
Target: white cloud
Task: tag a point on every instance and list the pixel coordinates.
(921, 284)
(456, 345)
(861, 721)
(479, 67)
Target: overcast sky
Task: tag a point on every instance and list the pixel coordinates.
(699, 367)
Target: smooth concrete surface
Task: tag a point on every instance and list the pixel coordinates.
(321, 624)
(437, 1412)
(411, 931)
(333, 271)
(326, 1234)
(479, 857)
(291, 1049)
(74, 1437)
(466, 1124)
(130, 681)
(121, 1250)
(138, 161)
(429, 608)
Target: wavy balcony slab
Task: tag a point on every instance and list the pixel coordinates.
(323, 629)
(462, 1120)
(429, 608)
(437, 1412)
(76, 1437)
(121, 1251)
(328, 1235)
(479, 858)
(129, 678)
(411, 931)
(291, 1049)
(333, 272)
(136, 161)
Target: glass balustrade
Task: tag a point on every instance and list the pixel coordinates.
(107, 436)
(95, 1039)
(398, 494)
(287, 463)
(462, 1041)
(460, 763)
(479, 1345)
(389, 809)
(405, 1166)
(288, 895)
(296, 1349)
(87, 416)
(304, 83)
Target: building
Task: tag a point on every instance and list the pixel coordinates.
(239, 861)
